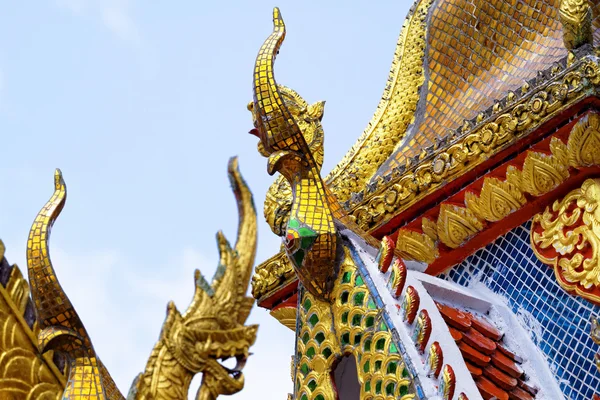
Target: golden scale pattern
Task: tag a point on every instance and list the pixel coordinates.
(477, 50)
(351, 324)
(61, 328)
(394, 113)
(513, 119)
(288, 153)
(24, 373)
(211, 328)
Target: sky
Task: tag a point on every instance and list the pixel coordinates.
(141, 104)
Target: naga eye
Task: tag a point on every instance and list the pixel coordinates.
(250, 106)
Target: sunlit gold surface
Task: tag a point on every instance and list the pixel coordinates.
(358, 330)
(394, 113)
(61, 328)
(572, 228)
(516, 116)
(25, 373)
(576, 18)
(310, 235)
(212, 328)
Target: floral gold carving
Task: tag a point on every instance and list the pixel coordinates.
(566, 236)
(576, 18)
(416, 246)
(286, 315)
(584, 142)
(496, 200)
(456, 225)
(271, 274)
(506, 125)
(448, 383)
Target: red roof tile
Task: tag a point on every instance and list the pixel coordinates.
(494, 367)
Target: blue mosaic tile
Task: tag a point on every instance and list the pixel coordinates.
(510, 268)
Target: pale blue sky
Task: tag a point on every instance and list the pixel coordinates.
(141, 104)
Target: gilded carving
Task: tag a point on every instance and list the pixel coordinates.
(448, 383)
(211, 329)
(310, 237)
(410, 305)
(584, 142)
(394, 113)
(385, 255)
(567, 237)
(505, 126)
(271, 274)
(497, 200)
(541, 173)
(348, 325)
(456, 225)
(24, 372)
(434, 360)
(416, 246)
(576, 18)
(422, 331)
(286, 315)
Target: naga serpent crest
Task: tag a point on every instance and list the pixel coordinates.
(211, 329)
(291, 137)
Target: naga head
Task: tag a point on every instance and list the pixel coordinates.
(291, 137)
(212, 329)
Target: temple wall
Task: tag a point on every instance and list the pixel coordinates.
(559, 322)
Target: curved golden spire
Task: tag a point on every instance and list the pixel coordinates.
(61, 327)
(310, 235)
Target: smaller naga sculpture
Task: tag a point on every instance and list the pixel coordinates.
(211, 330)
(576, 17)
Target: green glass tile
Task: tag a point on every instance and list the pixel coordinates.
(403, 390)
(320, 337)
(307, 304)
(305, 337)
(304, 369)
(366, 367)
(303, 397)
(368, 386)
(345, 318)
(356, 319)
(357, 338)
(383, 326)
(346, 338)
(314, 319)
(346, 277)
(371, 304)
(312, 385)
(310, 352)
(344, 297)
(367, 345)
(359, 298)
(370, 321)
(359, 281)
(378, 387)
(380, 345)
(294, 223)
(393, 348)
(405, 373)
(319, 397)
(377, 365)
(326, 352)
(389, 389)
(392, 367)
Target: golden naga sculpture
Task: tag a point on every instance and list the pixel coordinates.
(576, 18)
(310, 235)
(211, 329)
